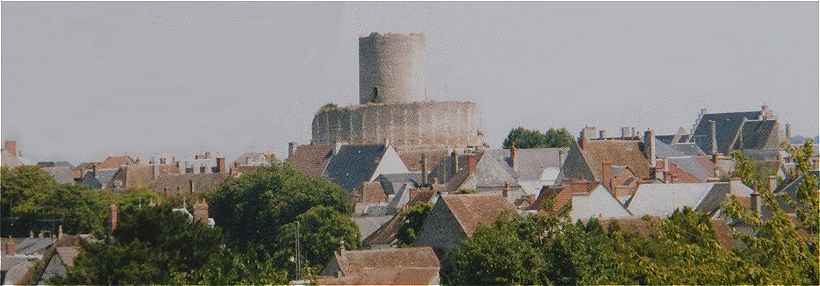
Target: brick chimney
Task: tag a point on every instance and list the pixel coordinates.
(788, 132)
(11, 147)
(772, 183)
(424, 169)
(220, 165)
(472, 162)
(606, 177)
(649, 142)
(453, 163)
(112, 220)
(756, 205)
(505, 192)
(201, 212)
(713, 136)
(584, 141)
(9, 247)
(155, 171)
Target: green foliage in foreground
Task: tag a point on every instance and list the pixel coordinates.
(682, 249)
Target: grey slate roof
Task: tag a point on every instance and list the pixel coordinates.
(688, 149)
(664, 150)
(692, 166)
(495, 167)
(732, 127)
(369, 224)
(662, 200)
(101, 180)
(15, 268)
(759, 134)
(34, 245)
(61, 174)
(391, 183)
(354, 164)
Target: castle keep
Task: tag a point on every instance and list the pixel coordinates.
(393, 103)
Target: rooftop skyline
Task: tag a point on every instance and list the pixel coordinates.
(82, 80)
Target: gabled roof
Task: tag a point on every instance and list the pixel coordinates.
(470, 210)
(412, 158)
(312, 159)
(369, 224)
(759, 134)
(730, 129)
(370, 192)
(688, 149)
(386, 276)
(143, 175)
(664, 150)
(563, 193)
(114, 162)
(362, 261)
(663, 199)
(496, 167)
(34, 245)
(618, 152)
(354, 164)
(61, 174)
(392, 182)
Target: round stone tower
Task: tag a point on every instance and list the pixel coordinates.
(391, 68)
(393, 103)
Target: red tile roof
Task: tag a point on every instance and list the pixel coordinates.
(114, 162)
(564, 193)
(471, 210)
(619, 152)
(312, 159)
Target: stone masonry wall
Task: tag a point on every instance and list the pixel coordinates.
(449, 123)
(391, 68)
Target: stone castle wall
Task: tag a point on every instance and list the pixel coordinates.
(449, 123)
(391, 68)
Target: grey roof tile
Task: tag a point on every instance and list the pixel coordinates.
(354, 164)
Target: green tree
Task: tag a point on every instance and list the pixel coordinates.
(33, 201)
(321, 232)
(21, 184)
(251, 209)
(151, 245)
(497, 254)
(226, 267)
(413, 220)
(524, 138)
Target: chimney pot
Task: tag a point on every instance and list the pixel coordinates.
(755, 202)
(772, 183)
(649, 141)
(506, 191)
(472, 161)
(220, 165)
(424, 169)
(713, 136)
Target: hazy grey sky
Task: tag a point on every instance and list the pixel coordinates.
(80, 80)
